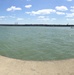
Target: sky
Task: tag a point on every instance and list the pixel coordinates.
(37, 11)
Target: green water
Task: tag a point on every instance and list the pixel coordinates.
(37, 43)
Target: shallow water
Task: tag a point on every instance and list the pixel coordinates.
(37, 43)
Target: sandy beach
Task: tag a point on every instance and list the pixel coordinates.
(9, 66)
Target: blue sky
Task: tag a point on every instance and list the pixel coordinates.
(37, 11)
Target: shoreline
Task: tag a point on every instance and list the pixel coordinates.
(40, 25)
(10, 66)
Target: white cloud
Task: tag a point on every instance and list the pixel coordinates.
(52, 19)
(28, 6)
(13, 8)
(28, 0)
(12, 16)
(41, 12)
(72, 9)
(20, 19)
(44, 18)
(70, 19)
(2, 17)
(41, 17)
(61, 8)
(69, 0)
(60, 13)
(6, 17)
(69, 14)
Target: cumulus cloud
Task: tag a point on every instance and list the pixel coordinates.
(72, 9)
(69, 0)
(45, 18)
(61, 8)
(41, 12)
(13, 8)
(69, 14)
(2, 17)
(20, 19)
(60, 13)
(70, 19)
(28, 0)
(28, 6)
(52, 19)
(12, 16)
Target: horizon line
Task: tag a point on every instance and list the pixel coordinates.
(46, 25)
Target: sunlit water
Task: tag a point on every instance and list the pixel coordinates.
(37, 43)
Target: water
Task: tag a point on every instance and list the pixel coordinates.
(37, 43)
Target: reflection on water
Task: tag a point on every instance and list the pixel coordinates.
(37, 43)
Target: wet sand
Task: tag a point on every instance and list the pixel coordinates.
(9, 66)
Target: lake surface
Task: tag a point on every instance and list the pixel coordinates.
(37, 43)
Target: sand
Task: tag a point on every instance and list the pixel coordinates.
(9, 66)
